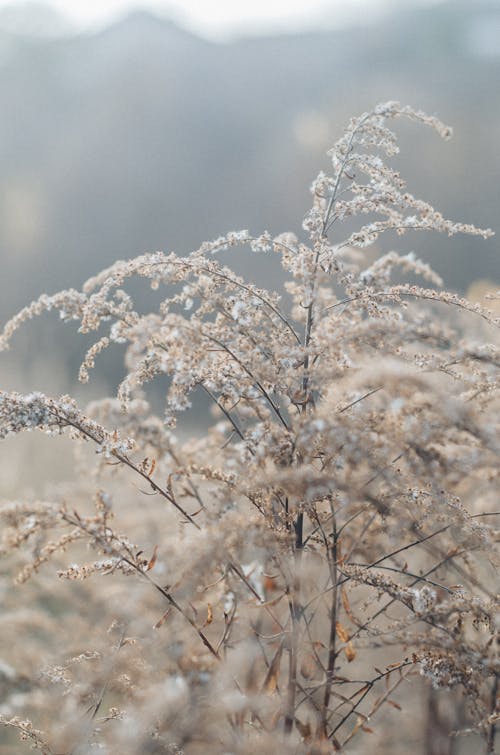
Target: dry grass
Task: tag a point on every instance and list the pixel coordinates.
(316, 572)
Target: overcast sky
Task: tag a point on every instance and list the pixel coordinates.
(223, 18)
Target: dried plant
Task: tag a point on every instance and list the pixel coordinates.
(329, 539)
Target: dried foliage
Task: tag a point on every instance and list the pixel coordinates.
(338, 513)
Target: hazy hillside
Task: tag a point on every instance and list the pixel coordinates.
(144, 136)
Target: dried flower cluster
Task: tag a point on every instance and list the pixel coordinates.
(337, 516)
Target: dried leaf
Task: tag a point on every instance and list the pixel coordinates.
(303, 729)
(163, 619)
(367, 729)
(269, 583)
(341, 557)
(275, 718)
(271, 680)
(152, 467)
(345, 603)
(152, 560)
(394, 704)
(210, 615)
(318, 644)
(350, 653)
(362, 690)
(342, 632)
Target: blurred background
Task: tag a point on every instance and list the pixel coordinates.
(133, 127)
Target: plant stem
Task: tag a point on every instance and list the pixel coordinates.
(332, 651)
(490, 742)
